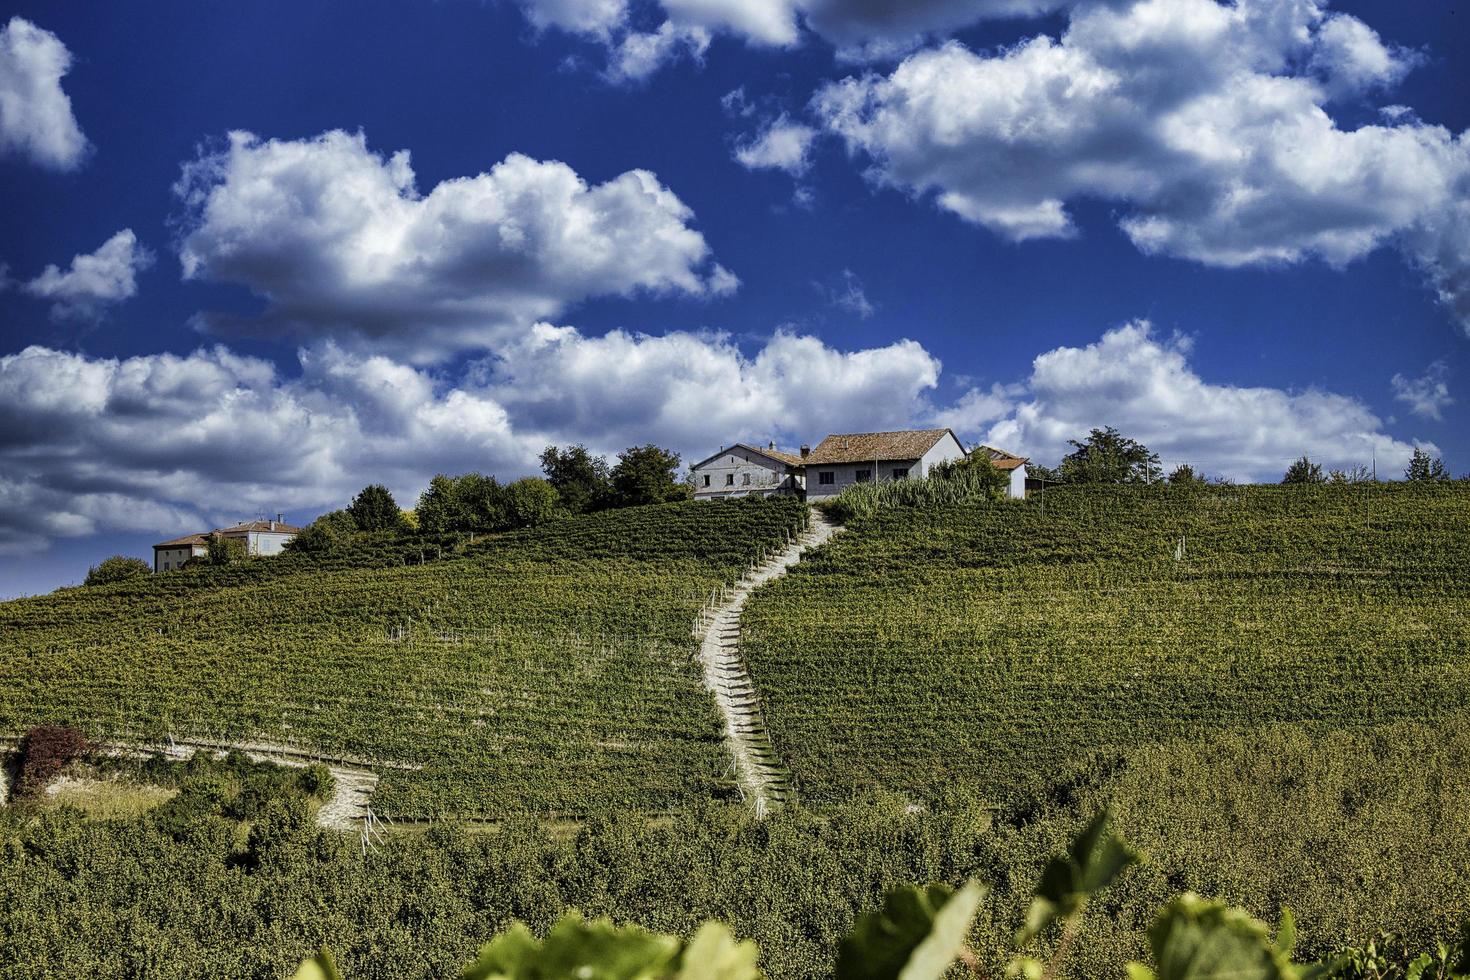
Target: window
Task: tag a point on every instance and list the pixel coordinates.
(826, 478)
(729, 479)
(901, 473)
(745, 479)
(864, 476)
(706, 479)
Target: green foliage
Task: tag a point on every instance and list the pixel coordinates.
(118, 568)
(1424, 468)
(329, 532)
(220, 550)
(946, 486)
(530, 502)
(1303, 471)
(581, 480)
(374, 509)
(1107, 456)
(1184, 475)
(647, 475)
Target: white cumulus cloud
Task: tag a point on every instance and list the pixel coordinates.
(339, 242)
(94, 281)
(780, 145)
(1427, 395)
(1205, 123)
(860, 29)
(1146, 387)
(36, 120)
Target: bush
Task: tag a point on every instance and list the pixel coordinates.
(118, 568)
(44, 752)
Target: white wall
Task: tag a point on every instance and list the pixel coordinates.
(268, 542)
(947, 448)
(1017, 490)
(844, 475)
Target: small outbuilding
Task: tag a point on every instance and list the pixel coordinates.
(1013, 465)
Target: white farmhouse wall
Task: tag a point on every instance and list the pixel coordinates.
(267, 542)
(1017, 489)
(844, 475)
(739, 472)
(947, 448)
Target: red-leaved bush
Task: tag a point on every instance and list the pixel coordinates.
(44, 752)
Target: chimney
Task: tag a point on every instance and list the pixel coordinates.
(805, 450)
(772, 445)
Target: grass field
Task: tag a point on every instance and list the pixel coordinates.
(988, 645)
(546, 671)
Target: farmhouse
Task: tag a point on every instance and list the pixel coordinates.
(256, 537)
(743, 471)
(838, 462)
(862, 457)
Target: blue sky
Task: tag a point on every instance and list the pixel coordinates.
(1239, 232)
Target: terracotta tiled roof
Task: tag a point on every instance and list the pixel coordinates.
(182, 542)
(1003, 460)
(862, 447)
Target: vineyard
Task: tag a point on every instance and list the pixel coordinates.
(549, 670)
(983, 644)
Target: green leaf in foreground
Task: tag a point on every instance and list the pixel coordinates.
(319, 967)
(1197, 939)
(915, 936)
(1095, 858)
(576, 949)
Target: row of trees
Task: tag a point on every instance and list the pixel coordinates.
(1108, 456)
(575, 482)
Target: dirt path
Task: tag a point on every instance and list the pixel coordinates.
(352, 782)
(763, 779)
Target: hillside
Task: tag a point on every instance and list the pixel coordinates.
(1268, 686)
(545, 670)
(991, 645)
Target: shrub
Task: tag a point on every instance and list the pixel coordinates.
(44, 752)
(118, 568)
(948, 485)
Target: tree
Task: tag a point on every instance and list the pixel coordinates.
(440, 510)
(581, 480)
(374, 509)
(220, 550)
(327, 533)
(1356, 474)
(647, 475)
(529, 502)
(1184, 475)
(1424, 468)
(1107, 456)
(1304, 471)
(118, 568)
